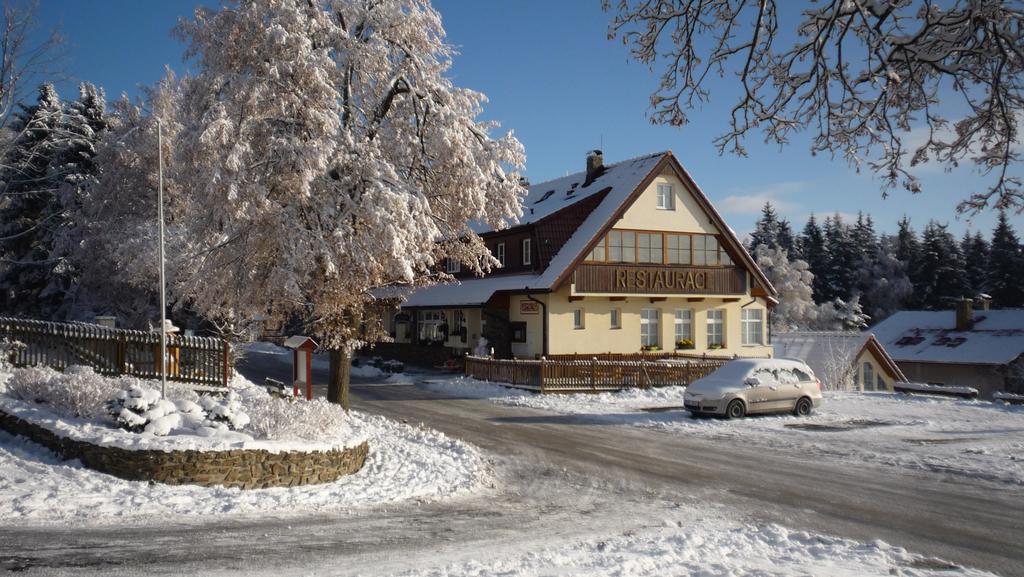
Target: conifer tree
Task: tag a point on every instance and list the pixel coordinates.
(840, 272)
(813, 251)
(941, 272)
(27, 222)
(1005, 266)
(975, 251)
(766, 231)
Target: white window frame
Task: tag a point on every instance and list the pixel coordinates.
(752, 325)
(453, 266)
(684, 325)
(527, 256)
(615, 318)
(650, 327)
(868, 376)
(428, 324)
(666, 197)
(500, 253)
(579, 319)
(716, 320)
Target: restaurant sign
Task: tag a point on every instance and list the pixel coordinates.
(639, 279)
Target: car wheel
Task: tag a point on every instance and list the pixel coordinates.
(803, 407)
(735, 410)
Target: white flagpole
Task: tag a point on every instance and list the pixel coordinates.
(163, 295)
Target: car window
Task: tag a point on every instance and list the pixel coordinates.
(803, 376)
(766, 376)
(786, 377)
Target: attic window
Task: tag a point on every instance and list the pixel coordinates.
(546, 196)
(954, 342)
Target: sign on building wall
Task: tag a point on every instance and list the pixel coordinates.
(639, 279)
(529, 308)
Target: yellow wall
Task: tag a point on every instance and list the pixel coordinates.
(644, 213)
(598, 337)
(866, 357)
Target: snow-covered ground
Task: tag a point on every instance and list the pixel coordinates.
(977, 439)
(404, 463)
(709, 547)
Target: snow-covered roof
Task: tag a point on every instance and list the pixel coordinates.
(546, 198)
(996, 338)
(827, 351)
(471, 292)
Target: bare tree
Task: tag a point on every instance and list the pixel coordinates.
(863, 74)
(24, 60)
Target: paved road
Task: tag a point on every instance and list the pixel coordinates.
(560, 476)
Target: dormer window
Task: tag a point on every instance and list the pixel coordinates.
(666, 198)
(453, 266)
(499, 253)
(526, 251)
(546, 196)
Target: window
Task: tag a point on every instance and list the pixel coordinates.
(880, 383)
(452, 265)
(500, 253)
(802, 376)
(648, 248)
(649, 327)
(433, 326)
(461, 329)
(678, 248)
(753, 326)
(621, 246)
(666, 200)
(615, 318)
(723, 257)
(684, 328)
(705, 250)
(577, 319)
(599, 251)
(716, 328)
(526, 251)
(869, 376)
(518, 331)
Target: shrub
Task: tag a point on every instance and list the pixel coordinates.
(77, 392)
(276, 418)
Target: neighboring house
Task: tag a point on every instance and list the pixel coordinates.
(842, 360)
(981, 349)
(613, 259)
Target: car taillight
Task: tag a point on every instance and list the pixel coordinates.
(818, 382)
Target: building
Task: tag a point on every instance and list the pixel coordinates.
(843, 360)
(983, 349)
(615, 259)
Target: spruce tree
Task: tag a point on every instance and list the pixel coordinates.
(766, 231)
(975, 251)
(27, 222)
(941, 270)
(1005, 266)
(840, 270)
(908, 252)
(813, 250)
(785, 240)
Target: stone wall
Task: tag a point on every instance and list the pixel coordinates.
(244, 468)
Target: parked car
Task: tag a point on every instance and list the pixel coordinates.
(748, 386)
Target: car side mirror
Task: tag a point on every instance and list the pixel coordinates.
(752, 381)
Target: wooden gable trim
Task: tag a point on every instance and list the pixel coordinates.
(668, 160)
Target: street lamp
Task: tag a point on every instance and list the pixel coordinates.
(163, 294)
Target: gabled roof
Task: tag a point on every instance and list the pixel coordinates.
(621, 183)
(996, 338)
(829, 352)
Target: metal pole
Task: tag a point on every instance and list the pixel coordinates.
(163, 295)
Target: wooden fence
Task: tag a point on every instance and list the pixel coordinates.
(589, 375)
(117, 351)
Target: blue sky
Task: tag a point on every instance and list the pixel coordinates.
(553, 77)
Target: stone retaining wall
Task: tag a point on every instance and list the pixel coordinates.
(245, 468)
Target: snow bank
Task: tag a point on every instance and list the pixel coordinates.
(967, 392)
(262, 348)
(705, 548)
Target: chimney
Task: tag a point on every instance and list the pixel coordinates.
(524, 182)
(595, 162)
(964, 314)
(984, 302)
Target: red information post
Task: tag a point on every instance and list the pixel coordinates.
(302, 363)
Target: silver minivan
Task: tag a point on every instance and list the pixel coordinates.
(748, 386)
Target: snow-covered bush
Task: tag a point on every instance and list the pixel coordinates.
(77, 392)
(224, 412)
(277, 418)
(8, 350)
(140, 409)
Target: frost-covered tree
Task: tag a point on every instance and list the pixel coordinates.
(886, 287)
(1006, 266)
(325, 152)
(792, 280)
(27, 218)
(858, 75)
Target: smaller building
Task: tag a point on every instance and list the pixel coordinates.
(844, 361)
(983, 349)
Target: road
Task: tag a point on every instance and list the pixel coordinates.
(559, 476)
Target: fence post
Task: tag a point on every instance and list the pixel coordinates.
(593, 373)
(227, 352)
(540, 383)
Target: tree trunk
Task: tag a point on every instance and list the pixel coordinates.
(337, 387)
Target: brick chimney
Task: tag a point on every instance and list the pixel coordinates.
(595, 162)
(964, 314)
